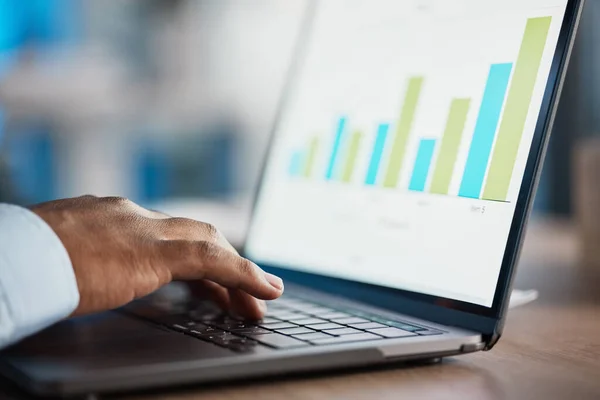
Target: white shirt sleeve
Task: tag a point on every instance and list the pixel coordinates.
(37, 282)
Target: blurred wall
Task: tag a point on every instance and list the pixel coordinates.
(149, 99)
(578, 115)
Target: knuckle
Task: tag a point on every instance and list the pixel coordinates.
(187, 225)
(208, 252)
(117, 200)
(211, 231)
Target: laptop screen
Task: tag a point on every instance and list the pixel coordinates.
(403, 141)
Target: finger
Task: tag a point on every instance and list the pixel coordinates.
(189, 229)
(233, 301)
(214, 292)
(246, 306)
(188, 260)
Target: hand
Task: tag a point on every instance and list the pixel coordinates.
(121, 251)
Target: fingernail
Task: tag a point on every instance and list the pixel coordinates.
(275, 281)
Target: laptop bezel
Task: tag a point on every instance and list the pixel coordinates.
(439, 309)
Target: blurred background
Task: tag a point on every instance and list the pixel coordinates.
(170, 102)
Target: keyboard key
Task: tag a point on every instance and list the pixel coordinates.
(233, 325)
(335, 315)
(342, 331)
(204, 331)
(276, 303)
(347, 339)
(284, 301)
(410, 328)
(317, 311)
(269, 321)
(368, 325)
(308, 321)
(276, 313)
(328, 325)
(298, 304)
(179, 328)
(314, 306)
(363, 314)
(237, 344)
(291, 316)
(294, 331)
(430, 332)
(312, 336)
(392, 332)
(278, 325)
(400, 325)
(351, 320)
(182, 325)
(273, 305)
(256, 330)
(279, 341)
(228, 340)
(216, 337)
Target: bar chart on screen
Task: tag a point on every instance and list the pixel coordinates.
(470, 160)
(401, 152)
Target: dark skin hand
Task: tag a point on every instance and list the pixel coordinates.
(121, 251)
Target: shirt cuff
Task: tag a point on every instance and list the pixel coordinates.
(37, 282)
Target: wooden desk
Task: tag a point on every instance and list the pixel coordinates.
(550, 348)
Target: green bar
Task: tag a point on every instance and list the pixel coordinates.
(351, 156)
(457, 117)
(403, 129)
(516, 108)
(311, 156)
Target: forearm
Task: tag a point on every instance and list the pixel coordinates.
(37, 282)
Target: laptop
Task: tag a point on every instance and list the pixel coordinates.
(394, 197)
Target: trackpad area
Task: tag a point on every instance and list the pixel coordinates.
(105, 341)
(99, 328)
(107, 337)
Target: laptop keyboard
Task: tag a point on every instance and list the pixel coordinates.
(290, 323)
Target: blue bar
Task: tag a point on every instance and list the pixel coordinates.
(485, 130)
(296, 164)
(382, 132)
(339, 138)
(422, 165)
